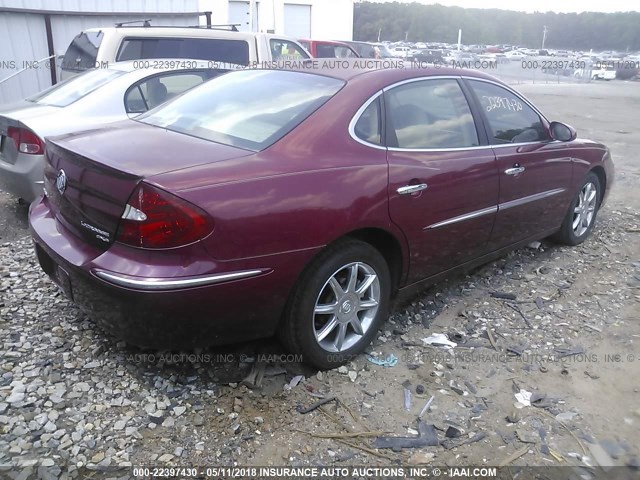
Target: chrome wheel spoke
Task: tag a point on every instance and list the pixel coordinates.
(577, 220)
(336, 287)
(367, 304)
(357, 325)
(326, 309)
(366, 283)
(353, 278)
(327, 329)
(342, 333)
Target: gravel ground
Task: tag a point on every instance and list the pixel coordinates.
(558, 326)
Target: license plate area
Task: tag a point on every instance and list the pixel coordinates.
(58, 274)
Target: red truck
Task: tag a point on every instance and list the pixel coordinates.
(328, 49)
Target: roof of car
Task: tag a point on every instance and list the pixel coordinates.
(176, 31)
(390, 69)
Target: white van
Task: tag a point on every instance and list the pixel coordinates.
(99, 47)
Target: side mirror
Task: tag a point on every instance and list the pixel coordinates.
(561, 132)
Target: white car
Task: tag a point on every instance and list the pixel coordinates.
(400, 52)
(602, 73)
(95, 97)
(515, 55)
(100, 47)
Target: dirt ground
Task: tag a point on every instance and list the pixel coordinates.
(560, 324)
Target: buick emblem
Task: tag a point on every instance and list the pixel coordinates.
(61, 181)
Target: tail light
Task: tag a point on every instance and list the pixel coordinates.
(26, 141)
(154, 218)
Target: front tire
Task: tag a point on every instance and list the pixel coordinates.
(581, 216)
(337, 307)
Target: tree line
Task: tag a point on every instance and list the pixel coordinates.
(436, 23)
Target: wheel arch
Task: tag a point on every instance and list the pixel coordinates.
(602, 177)
(388, 246)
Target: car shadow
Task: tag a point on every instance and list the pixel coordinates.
(14, 221)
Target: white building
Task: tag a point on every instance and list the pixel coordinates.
(317, 19)
(33, 30)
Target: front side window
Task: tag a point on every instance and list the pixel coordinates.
(214, 49)
(72, 90)
(250, 109)
(511, 120)
(286, 50)
(430, 114)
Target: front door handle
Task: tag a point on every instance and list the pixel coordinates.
(515, 170)
(407, 189)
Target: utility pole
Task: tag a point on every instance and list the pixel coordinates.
(379, 32)
(544, 36)
(406, 35)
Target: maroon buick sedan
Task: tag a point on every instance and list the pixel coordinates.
(301, 202)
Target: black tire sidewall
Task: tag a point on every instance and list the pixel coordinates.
(314, 279)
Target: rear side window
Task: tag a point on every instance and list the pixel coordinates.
(220, 50)
(511, 120)
(250, 109)
(430, 114)
(82, 52)
(151, 92)
(369, 125)
(72, 90)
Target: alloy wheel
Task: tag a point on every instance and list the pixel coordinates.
(346, 307)
(584, 211)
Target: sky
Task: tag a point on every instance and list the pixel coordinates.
(559, 6)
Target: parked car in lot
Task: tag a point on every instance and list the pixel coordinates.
(603, 72)
(328, 49)
(92, 98)
(301, 202)
(370, 50)
(103, 46)
(429, 56)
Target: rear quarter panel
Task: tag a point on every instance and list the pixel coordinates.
(310, 188)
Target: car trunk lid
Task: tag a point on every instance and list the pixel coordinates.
(89, 176)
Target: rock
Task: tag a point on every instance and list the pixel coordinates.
(167, 457)
(353, 375)
(197, 420)
(168, 422)
(178, 451)
(258, 420)
(179, 410)
(343, 370)
(566, 416)
(421, 458)
(15, 397)
(98, 457)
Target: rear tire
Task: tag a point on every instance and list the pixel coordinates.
(581, 216)
(338, 305)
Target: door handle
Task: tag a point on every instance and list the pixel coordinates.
(515, 170)
(407, 189)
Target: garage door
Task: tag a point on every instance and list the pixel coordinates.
(297, 20)
(239, 14)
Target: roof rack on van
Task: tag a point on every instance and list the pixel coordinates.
(230, 27)
(145, 23)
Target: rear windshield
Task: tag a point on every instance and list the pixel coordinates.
(249, 109)
(220, 50)
(75, 88)
(82, 52)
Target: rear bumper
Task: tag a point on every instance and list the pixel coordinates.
(23, 179)
(233, 301)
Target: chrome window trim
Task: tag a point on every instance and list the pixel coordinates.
(159, 284)
(361, 110)
(356, 118)
(462, 218)
(530, 198)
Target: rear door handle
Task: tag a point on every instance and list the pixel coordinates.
(407, 189)
(514, 170)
